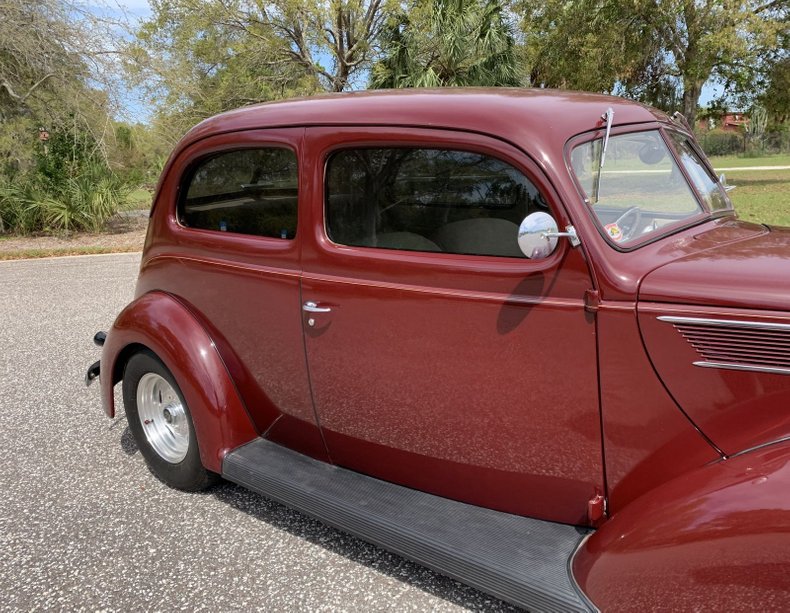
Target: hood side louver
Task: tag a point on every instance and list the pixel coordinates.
(737, 345)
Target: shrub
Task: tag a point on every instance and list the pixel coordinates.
(32, 203)
(718, 142)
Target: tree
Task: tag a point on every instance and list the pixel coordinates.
(644, 47)
(776, 99)
(591, 45)
(718, 39)
(193, 63)
(51, 59)
(56, 127)
(198, 58)
(448, 43)
(346, 32)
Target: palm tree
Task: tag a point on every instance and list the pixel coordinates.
(448, 43)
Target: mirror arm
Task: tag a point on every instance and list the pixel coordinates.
(570, 234)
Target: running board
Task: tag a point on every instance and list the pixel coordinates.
(517, 559)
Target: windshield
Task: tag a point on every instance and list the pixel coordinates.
(641, 188)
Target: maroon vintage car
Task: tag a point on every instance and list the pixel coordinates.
(517, 336)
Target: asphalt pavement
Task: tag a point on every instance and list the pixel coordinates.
(85, 526)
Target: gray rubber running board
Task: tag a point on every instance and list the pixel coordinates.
(517, 559)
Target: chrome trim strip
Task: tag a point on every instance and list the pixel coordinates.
(774, 370)
(725, 323)
(585, 598)
(784, 439)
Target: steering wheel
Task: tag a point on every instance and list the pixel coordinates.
(630, 229)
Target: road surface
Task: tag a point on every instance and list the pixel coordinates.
(84, 525)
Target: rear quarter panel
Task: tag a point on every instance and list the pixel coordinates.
(158, 322)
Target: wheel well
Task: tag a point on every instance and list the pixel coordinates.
(123, 357)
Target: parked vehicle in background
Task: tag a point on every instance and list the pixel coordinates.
(518, 336)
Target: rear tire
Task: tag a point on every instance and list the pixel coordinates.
(161, 423)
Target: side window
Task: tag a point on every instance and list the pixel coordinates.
(249, 191)
(427, 200)
(711, 191)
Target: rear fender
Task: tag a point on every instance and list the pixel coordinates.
(160, 323)
(717, 538)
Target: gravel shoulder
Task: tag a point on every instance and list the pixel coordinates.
(125, 232)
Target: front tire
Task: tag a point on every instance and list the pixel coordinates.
(160, 421)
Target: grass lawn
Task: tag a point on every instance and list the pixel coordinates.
(139, 198)
(731, 161)
(762, 196)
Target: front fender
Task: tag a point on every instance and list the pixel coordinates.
(717, 538)
(159, 322)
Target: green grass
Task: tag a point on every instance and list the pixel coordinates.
(26, 254)
(762, 196)
(137, 199)
(732, 161)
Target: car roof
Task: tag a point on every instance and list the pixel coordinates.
(504, 112)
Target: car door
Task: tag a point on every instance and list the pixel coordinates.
(439, 357)
(234, 222)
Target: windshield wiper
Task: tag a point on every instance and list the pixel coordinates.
(608, 117)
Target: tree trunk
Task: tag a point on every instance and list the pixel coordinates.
(692, 90)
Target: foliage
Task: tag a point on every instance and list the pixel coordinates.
(776, 99)
(448, 43)
(589, 45)
(199, 58)
(138, 153)
(85, 201)
(35, 62)
(719, 142)
(653, 51)
(51, 71)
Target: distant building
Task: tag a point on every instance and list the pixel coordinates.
(729, 122)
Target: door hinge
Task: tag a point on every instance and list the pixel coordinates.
(596, 509)
(592, 300)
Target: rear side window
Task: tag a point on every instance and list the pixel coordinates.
(435, 200)
(249, 191)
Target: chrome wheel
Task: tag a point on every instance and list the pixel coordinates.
(163, 417)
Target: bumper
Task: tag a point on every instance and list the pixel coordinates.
(95, 368)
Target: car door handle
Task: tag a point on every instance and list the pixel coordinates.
(312, 307)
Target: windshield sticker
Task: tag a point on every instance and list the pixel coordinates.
(614, 232)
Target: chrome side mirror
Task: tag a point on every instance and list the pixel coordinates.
(537, 235)
(723, 181)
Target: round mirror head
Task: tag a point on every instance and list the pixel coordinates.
(532, 239)
(651, 154)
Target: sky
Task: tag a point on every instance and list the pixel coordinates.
(136, 8)
(134, 107)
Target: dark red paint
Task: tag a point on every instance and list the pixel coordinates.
(542, 387)
(163, 325)
(715, 539)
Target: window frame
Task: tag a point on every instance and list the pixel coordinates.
(367, 137)
(198, 160)
(706, 166)
(340, 151)
(671, 229)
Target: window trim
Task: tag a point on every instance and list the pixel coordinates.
(453, 141)
(194, 164)
(671, 229)
(706, 166)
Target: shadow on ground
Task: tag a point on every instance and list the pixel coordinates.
(297, 524)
